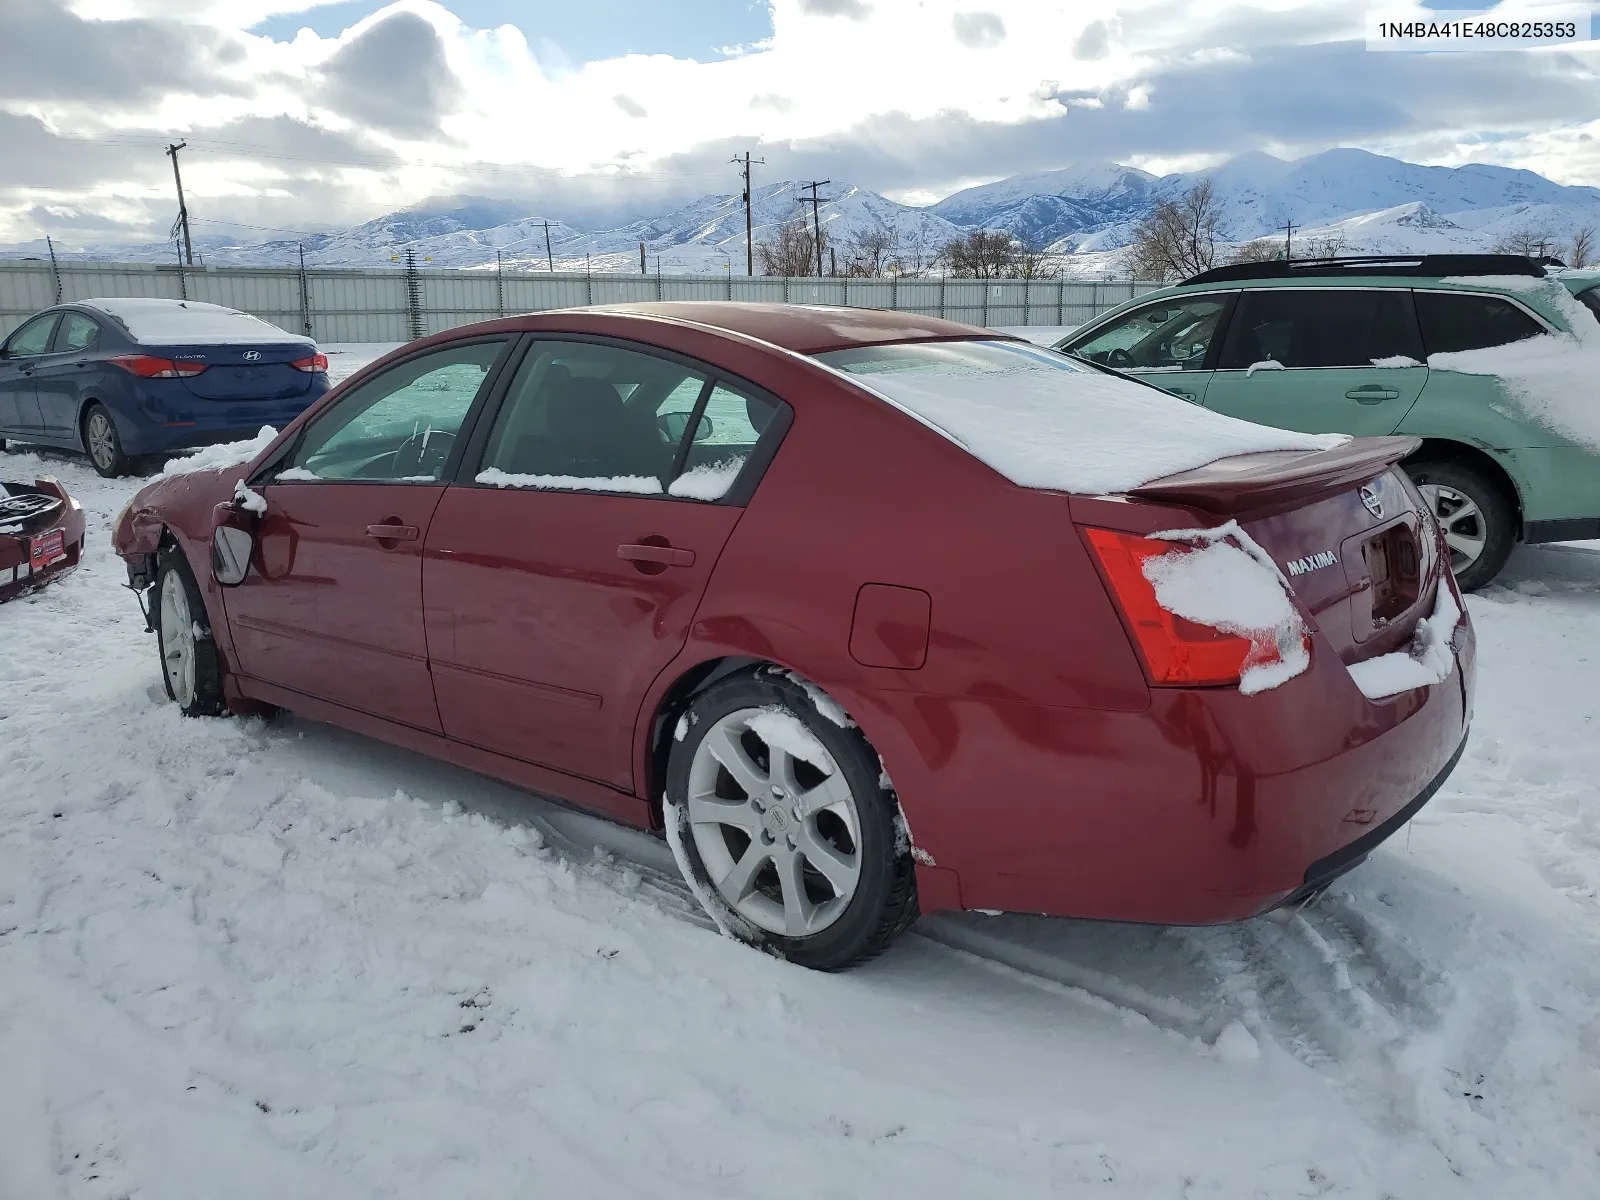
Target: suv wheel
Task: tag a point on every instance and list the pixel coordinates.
(1478, 522)
(782, 825)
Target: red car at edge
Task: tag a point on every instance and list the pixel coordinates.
(872, 614)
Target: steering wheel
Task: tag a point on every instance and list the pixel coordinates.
(1119, 358)
(423, 454)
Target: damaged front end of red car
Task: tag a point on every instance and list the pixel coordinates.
(41, 535)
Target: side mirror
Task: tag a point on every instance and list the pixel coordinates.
(231, 548)
(673, 424)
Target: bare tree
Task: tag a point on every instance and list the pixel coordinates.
(872, 252)
(1326, 245)
(1260, 250)
(1029, 260)
(1581, 252)
(1180, 237)
(790, 249)
(982, 254)
(1531, 241)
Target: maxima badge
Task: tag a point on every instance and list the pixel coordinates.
(1311, 562)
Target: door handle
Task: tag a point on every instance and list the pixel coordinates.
(394, 532)
(667, 556)
(1372, 394)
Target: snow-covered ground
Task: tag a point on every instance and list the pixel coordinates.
(253, 959)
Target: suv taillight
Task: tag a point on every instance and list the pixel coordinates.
(311, 363)
(1177, 651)
(147, 366)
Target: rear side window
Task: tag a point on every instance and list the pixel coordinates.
(1453, 321)
(77, 332)
(1331, 327)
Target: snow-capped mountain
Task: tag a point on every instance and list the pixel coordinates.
(1364, 202)
(1372, 199)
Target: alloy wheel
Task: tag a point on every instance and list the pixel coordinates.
(779, 834)
(177, 639)
(1462, 520)
(102, 441)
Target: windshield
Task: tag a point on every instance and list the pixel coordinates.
(1592, 299)
(947, 358)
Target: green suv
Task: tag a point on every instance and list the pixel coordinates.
(1426, 346)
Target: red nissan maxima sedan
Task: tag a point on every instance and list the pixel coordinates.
(871, 614)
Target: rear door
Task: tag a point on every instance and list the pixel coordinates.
(563, 570)
(334, 608)
(1308, 359)
(60, 374)
(19, 397)
(1169, 343)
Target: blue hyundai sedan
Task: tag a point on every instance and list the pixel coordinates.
(126, 379)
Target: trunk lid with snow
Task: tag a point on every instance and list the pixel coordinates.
(1344, 527)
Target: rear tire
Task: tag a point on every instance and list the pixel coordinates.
(191, 668)
(1478, 520)
(103, 443)
(807, 861)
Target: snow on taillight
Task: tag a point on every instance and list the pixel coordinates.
(1207, 607)
(147, 366)
(311, 364)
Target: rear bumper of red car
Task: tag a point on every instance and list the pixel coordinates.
(18, 572)
(1207, 807)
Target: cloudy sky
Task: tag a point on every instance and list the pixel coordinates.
(300, 116)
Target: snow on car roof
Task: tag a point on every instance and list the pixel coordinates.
(1044, 421)
(165, 322)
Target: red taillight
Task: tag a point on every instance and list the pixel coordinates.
(1177, 651)
(312, 364)
(147, 366)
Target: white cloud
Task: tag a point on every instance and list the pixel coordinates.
(969, 90)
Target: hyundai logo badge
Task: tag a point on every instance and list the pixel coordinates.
(254, 355)
(1370, 498)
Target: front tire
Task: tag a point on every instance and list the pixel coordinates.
(804, 858)
(1479, 522)
(190, 665)
(103, 443)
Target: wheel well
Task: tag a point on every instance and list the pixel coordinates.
(1441, 450)
(83, 418)
(674, 703)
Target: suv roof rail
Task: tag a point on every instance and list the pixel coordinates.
(1377, 264)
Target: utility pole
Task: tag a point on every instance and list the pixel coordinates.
(549, 260)
(1288, 240)
(183, 211)
(816, 220)
(749, 244)
(643, 269)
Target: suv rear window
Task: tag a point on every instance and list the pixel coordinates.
(1325, 327)
(1453, 321)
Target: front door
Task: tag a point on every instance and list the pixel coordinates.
(562, 574)
(1321, 360)
(334, 607)
(60, 373)
(1167, 343)
(19, 398)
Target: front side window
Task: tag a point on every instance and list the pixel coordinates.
(401, 425)
(1453, 321)
(33, 338)
(1330, 327)
(78, 332)
(1171, 335)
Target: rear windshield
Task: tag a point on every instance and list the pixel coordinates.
(1043, 420)
(946, 358)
